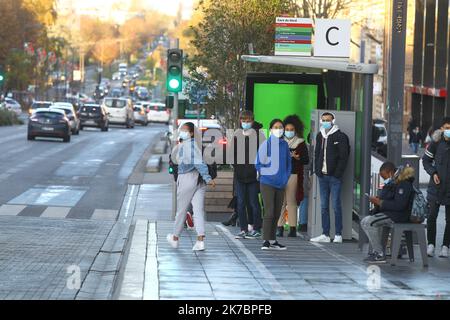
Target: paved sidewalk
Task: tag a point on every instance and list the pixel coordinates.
(38, 256)
(239, 269)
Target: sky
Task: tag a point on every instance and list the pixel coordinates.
(166, 6)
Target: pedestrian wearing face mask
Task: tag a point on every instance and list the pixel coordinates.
(244, 146)
(294, 194)
(436, 162)
(190, 188)
(331, 156)
(274, 166)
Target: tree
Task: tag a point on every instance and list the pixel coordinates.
(319, 9)
(106, 51)
(221, 38)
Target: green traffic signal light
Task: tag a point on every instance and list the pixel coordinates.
(174, 70)
(2, 78)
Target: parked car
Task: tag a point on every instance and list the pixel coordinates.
(71, 114)
(39, 105)
(140, 115)
(12, 105)
(94, 116)
(52, 123)
(379, 137)
(120, 111)
(159, 113)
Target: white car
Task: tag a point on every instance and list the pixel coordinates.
(120, 111)
(71, 115)
(13, 105)
(116, 76)
(158, 113)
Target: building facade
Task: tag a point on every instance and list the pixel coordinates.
(428, 90)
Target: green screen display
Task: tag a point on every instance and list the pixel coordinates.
(275, 100)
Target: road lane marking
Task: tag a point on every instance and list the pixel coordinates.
(11, 210)
(102, 214)
(151, 276)
(56, 212)
(268, 277)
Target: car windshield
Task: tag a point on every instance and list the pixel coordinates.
(67, 111)
(38, 105)
(114, 103)
(158, 108)
(49, 115)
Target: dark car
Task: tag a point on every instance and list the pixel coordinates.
(95, 116)
(51, 123)
(116, 93)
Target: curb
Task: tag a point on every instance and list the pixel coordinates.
(101, 280)
(154, 164)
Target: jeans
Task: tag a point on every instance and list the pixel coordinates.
(330, 185)
(414, 147)
(372, 226)
(249, 191)
(303, 219)
(431, 224)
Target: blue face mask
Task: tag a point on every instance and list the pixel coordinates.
(387, 181)
(289, 134)
(184, 135)
(246, 125)
(447, 133)
(327, 125)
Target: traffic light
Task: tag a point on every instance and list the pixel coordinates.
(174, 70)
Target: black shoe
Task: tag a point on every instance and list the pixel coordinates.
(292, 232)
(266, 245)
(277, 246)
(232, 221)
(280, 231)
(375, 258)
(303, 228)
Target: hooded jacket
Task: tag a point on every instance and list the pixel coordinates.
(334, 146)
(246, 172)
(396, 198)
(298, 145)
(437, 160)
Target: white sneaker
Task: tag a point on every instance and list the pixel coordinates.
(444, 252)
(337, 239)
(430, 250)
(321, 238)
(199, 246)
(173, 243)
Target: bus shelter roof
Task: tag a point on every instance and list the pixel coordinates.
(315, 63)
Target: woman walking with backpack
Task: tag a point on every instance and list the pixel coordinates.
(193, 176)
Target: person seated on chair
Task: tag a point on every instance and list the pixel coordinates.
(392, 206)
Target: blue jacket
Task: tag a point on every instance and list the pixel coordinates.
(274, 169)
(190, 159)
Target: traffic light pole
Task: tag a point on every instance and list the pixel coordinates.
(174, 128)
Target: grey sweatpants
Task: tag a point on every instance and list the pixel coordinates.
(372, 226)
(188, 191)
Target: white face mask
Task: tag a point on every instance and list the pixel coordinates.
(277, 133)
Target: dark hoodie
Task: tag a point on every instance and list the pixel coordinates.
(246, 172)
(396, 198)
(437, 160)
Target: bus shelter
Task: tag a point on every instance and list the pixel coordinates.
(355, 81)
